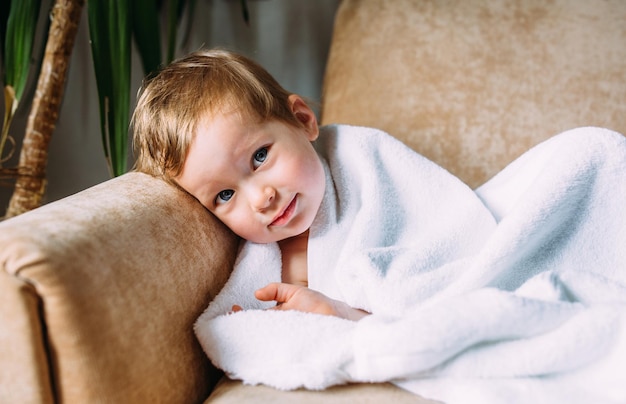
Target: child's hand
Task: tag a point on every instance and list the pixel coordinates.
(296, 297)
(235, 309)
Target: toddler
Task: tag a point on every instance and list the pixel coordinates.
(521, 278)
(221, 127)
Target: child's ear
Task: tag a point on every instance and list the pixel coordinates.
(305, 115)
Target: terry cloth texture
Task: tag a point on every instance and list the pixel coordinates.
(511, 293)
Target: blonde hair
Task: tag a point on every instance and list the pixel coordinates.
(171, 104)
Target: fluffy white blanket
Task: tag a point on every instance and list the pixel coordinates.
(515, 292)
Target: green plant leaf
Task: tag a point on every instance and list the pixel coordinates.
(173, 15)
(245, 13)
(21, 25)
(147, 33)
(191, 12)
(110, 32)
(20, 34)
(5, 8)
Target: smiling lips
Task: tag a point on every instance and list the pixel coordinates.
(284, 217)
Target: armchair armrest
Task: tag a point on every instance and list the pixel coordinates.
(99, 292)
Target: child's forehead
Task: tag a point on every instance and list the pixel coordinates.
(218, 149)
(229, 104)
(227, 131)
(235, 115)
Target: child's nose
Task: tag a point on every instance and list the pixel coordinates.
(263, 197)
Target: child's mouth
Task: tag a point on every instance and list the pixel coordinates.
(284, 217)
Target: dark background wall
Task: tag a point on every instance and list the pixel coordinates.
(289, 37)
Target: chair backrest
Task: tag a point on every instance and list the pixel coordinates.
(472, 84)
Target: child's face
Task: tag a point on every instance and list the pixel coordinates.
(264, 181)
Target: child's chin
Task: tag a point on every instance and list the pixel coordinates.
(275, 237)
(265, 240)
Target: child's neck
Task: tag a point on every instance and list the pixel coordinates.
(294, 256)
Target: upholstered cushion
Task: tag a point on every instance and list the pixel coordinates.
(234, 392)
(472, 84)
(101, 289)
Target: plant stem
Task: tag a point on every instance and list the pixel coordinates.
(31, 182)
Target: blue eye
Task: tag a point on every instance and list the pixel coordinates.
(224, 196)
(259, 157)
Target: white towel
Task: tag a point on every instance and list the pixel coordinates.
(514, 293)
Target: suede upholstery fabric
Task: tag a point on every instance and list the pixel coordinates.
(99, 292)
(24, 369)
(233, 392)
(472, 84)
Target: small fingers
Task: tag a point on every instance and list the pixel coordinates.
(267, 293)
(279, 292)
(235, 309)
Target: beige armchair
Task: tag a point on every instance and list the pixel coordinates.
(99, 291)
